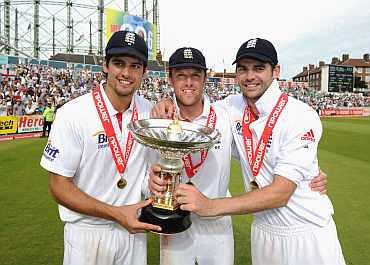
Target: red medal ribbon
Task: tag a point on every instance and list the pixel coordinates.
(119, 159)
(255, 159)
(190, 169)
(119, 119)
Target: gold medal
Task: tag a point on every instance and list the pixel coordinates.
(190, 182)
(254, 185)
(121, 183)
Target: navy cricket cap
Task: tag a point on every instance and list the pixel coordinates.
(187, 57)
(259, 49)
(127, 43)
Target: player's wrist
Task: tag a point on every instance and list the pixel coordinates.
(111, 212)
(213, 207)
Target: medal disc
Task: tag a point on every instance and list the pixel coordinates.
(190, 182)
(121, 183)
(254, 185)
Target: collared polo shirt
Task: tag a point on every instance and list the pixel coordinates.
(291, 153)
(78, 148)
(212, 178)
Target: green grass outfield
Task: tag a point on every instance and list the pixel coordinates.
(31, 233)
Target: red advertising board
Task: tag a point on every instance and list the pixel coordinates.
(342, 112)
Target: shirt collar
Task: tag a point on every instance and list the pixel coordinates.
(206, 108)
(111, 110)
(268, 100)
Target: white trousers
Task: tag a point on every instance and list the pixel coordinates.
(307, 244)
(102, 245)
(206, 242)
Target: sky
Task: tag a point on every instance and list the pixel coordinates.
(303, 32)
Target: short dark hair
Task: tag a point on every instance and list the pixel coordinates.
(272, 64)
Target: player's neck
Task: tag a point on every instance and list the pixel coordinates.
(190, 113)
(252, 105)
(119, 103)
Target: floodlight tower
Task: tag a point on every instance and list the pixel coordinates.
(69, 26)
(7, 24)
(36, 28)
(100, 27)
(42, 29)
(156, 22)
(16, 38)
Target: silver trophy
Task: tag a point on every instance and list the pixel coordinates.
(173, 139)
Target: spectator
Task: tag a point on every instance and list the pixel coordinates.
(18, 108)
(30, 108)
(39, 109)
(3, 108)
(39, 83)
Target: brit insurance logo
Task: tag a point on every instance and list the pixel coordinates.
(101, 139)
(51, 152)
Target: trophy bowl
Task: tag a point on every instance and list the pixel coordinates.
(173, 139)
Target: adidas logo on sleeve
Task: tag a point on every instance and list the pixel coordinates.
(308, 136)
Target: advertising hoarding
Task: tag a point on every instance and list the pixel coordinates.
(116, 20)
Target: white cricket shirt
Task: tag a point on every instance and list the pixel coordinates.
(291, 152)
(78, 148)
(212, 178)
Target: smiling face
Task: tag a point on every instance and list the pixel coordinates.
(188, 84)
(255, 77)
(124, 75)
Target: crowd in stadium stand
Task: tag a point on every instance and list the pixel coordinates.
(33, 86)
(319, 100)
(28, 91)
(154, 88)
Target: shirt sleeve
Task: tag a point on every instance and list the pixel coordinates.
(63, 151)
(297, 157)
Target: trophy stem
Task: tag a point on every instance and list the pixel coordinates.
(171, 168)
(165, 211)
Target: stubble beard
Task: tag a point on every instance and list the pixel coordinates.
(255, 95)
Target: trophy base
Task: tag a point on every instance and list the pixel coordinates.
(171, 222)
